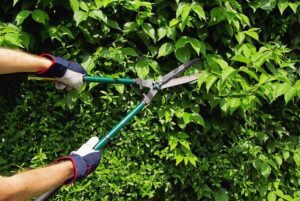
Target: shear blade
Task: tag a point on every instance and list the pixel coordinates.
(181, 80)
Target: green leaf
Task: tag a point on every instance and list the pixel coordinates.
(197, 8)
(185, 143)
(240, 37)
(165, 49)
(21, 16)
(197, 118)
(272, 196)
(290, 94)
(241, 59)
(227, 72)
(210, 81)
(80, 16)
(149, 30)
(173, 142)
(282, 5)
(265, 169)
(173, 22)
(294, 6)
(130, 52)
(280, 90)
(250, 73)
(198, 46)
(179, 159)
(129, 27)
(181, 42)
(203, 78)
(142, 68)
(223, 64)
(185, 12)
(221, 195)
(183, 54)
(74, 5)
(88, 63)
(40, 16)
(15, 2)
(112, 24)
(296, 157)
(252, 33)
(161, 32)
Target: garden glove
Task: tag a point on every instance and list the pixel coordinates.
(85, 160)
(69, 74)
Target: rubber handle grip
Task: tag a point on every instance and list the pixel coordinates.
(48, 194)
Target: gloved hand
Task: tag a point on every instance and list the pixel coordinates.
(85, 160)
(69, 74)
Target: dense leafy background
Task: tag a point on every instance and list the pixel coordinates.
(232, 136)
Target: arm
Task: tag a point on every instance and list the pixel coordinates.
(35, 182)
(67, 170)
(13, 61)
(68, 74)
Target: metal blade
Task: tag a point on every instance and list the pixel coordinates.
(178, 70)
(181, 80)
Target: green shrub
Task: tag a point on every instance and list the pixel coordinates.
(232, 136)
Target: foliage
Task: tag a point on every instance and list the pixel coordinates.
(232, 136)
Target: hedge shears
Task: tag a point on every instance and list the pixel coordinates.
(167, 81)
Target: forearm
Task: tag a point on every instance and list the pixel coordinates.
(14, 61)
(35, 182)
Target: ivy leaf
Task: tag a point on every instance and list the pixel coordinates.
(183, 54)
(149, 30)
(165, 49)
(80, 16)
(282, 5)
(74, 5)
(197, 8)
(21, 16)
(40, 16)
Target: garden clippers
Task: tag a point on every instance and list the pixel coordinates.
(168, 80)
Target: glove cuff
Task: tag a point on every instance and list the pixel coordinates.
(55, 70)
(79, 165)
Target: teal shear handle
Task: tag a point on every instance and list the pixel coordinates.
(105, 139)
(100, 79)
